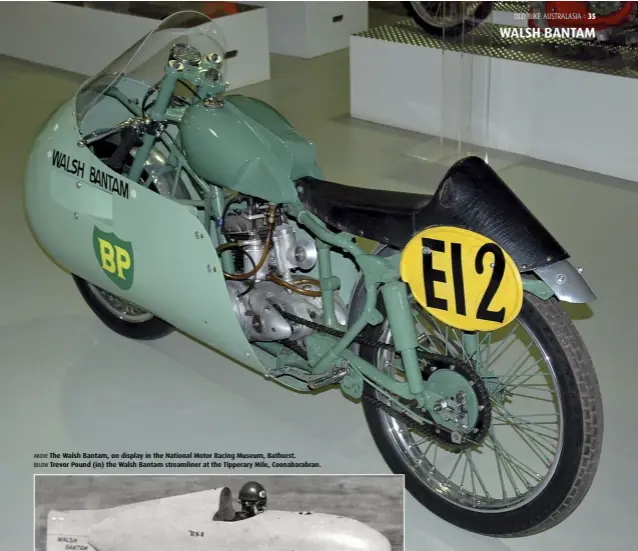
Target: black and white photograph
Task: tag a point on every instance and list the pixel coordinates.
(180, 513)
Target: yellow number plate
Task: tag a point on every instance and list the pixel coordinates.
(462, 278)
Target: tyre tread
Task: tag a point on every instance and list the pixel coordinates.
(592, 407)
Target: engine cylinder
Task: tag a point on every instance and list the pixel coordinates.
(255, 249)
(292, 253)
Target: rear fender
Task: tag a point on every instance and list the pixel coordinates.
(472, 196)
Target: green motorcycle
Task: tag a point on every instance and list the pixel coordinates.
(175, 205)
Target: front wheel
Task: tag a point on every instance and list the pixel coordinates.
(121, 316)
(539, 439)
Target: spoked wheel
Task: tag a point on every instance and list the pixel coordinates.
(448, 18)
(122, 316)
(514, 449)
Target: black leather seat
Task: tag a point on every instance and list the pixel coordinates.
(471, 196)
(376, 214)
(363, 199)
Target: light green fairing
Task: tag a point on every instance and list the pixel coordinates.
(178, 274)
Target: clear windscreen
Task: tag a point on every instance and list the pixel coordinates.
(146, 60)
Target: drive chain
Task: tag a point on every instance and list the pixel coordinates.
(435, 361)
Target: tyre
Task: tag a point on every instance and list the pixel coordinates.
(119, 315)
(532, 465)
(448, 18)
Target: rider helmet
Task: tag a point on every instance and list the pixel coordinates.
(253, 498)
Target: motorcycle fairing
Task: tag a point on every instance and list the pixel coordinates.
(471, 196)
(185, 522)
(178, 275)
(74, 527)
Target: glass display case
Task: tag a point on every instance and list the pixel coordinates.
(519, 82)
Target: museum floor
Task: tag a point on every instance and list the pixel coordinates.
(68, 383)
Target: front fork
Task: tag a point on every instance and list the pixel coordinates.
(157, 113)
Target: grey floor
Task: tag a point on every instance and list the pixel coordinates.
(69, 384)
(374, 500)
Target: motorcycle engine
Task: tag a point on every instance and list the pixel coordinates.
(277, 285)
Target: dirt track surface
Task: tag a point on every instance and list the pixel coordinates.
(375, 500)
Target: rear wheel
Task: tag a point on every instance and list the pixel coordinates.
(541, 423)
(448, 18)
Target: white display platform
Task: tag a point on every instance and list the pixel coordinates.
(311, 29)
(523, 108)
(84, 40)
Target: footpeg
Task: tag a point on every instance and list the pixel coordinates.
(330, 379)
(313, 381)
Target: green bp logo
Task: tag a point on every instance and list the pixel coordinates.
(115, 256)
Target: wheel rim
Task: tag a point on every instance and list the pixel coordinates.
(120, 308)
(490, 477)
(444, 15)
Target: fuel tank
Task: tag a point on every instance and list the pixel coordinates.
(247, 146)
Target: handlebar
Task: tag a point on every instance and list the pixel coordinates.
(185, 64)
(136, 123)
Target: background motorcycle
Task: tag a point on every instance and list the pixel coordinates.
(449, 18)
(176, 205)
(612, 21)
